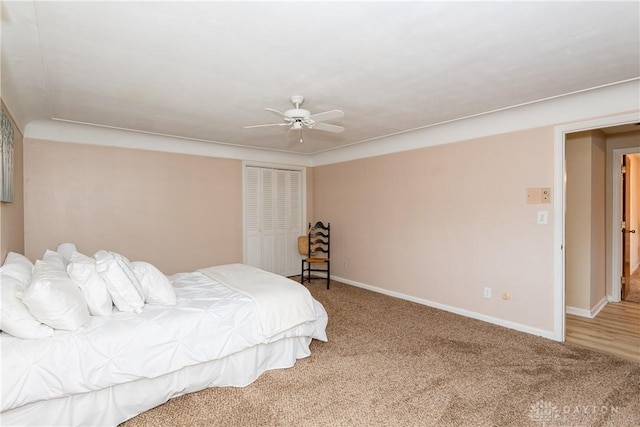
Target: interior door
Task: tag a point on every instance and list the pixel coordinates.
(625, 210)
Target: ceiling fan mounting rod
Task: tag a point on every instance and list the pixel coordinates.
(297, 100)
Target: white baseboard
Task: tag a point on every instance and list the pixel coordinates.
(599, 306)
(451, 309)
(582, 312)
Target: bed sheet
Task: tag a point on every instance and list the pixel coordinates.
(208, 322)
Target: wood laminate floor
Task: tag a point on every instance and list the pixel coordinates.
(615, 330)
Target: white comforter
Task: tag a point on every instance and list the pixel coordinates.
(281, 302)
(209, 321)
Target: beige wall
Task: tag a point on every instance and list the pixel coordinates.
(12, 214)
(179, 212)
(585, 256)
(310, 185)
(442, 223)
(578, 221)
(585, 154)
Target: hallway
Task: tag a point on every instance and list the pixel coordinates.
(615, 330)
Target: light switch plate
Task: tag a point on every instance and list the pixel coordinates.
(542, 217)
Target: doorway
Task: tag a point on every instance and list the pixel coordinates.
(613, 241)
(617, 201)
(601, 216)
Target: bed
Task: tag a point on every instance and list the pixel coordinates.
(227, 325)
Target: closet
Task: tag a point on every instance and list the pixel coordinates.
(273, 218)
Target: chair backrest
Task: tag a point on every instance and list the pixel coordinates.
(318, 240)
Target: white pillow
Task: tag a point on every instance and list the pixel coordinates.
(156, 286)
(82, 270)
(123, 285)
(54, 258)
(54, 299)
(15, 318)
(17, 266)
(66, 250)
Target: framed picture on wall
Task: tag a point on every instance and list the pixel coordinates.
(6, 160)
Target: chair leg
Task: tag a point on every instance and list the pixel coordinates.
(328, 273)
(302, 272)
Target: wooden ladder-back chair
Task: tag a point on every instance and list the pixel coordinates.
(314, 248)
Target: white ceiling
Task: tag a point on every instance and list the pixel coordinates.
(203, 70)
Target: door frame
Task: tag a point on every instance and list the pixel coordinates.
(559, 208)
(616, 215)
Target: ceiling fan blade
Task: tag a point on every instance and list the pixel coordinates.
(327, 127)
(327, 115)
(271, 124)
(279, 114)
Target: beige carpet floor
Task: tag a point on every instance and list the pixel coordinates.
(391, 362)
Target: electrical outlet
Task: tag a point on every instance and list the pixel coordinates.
(487, 292)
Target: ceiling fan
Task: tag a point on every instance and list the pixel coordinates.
(298, 118)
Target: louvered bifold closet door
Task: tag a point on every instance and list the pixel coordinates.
(294, 222)
(281, 223)
(288, 222)
(269, 204)
(273, 200)
(253, 216)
